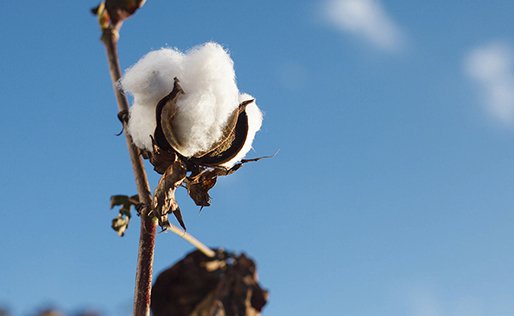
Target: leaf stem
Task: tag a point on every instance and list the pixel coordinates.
(192, 240)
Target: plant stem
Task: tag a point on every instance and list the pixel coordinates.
(148, 226)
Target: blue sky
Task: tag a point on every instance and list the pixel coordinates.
(392, 193)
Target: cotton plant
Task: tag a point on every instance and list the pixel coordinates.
(190, 120)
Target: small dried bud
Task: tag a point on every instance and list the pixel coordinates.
(112, 13)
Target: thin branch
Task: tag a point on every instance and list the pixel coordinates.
(192, 240)
(148, 228)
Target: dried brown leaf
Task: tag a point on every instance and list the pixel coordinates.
(164, 197)
(199, 285)
(121, 222)
(198, 188)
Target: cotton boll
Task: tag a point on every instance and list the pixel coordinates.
(206, 75)
(254, 115)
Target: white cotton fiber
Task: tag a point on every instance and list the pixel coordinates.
(254, 125)
(141, 125)
(149, 81)
(206, 74)
(211, 95)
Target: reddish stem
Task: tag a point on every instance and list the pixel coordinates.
(148, 226)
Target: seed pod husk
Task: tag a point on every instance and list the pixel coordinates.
(225, 149)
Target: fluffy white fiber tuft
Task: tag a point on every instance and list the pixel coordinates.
(206, 74)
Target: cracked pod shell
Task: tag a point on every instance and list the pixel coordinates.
(222, 151)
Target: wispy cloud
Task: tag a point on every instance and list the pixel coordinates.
(491, 66)
(367, 19)
(429, 300)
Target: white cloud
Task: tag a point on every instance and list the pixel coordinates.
(425, 298)
(367, 19)
(492, 67)
(423, 302)
(429, 303)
